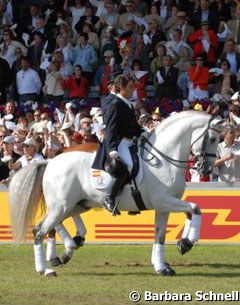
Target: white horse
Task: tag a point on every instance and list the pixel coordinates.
(65, 182)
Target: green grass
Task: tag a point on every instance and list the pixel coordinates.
(106, 274)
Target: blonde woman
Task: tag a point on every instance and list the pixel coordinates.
(66, 48)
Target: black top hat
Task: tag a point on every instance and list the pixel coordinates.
(112, 77)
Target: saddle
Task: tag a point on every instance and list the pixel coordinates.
(101, 179)
(116, 168)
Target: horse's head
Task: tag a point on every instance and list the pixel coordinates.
(204, 145)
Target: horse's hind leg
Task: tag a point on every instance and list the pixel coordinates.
(81, 231)
(51, 252)
(40, 265)
(39, 232)
(77, 241)
(69, 243)
(158, 262)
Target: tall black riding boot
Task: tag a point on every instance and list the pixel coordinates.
(117, 185)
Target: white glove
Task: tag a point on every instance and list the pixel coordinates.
(114, 154)
(8, 117)
(50, 127)
(48, 12)
(6, 159)
(68, 106)
(59, 21)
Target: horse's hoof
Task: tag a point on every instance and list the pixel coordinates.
(67, 255)
(55, 262)
(184, 245)
(167, 272)
(50, 273)
(167, 264)
(79, 241)
(65, 258)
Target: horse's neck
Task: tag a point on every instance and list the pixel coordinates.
(175, 140)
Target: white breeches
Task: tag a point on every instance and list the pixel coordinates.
(124, 153)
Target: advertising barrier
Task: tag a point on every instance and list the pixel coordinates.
(220, 207)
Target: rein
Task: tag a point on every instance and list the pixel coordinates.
(175, 162)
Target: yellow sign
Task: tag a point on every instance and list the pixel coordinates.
(220, 221)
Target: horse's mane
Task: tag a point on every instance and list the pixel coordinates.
(174, 119)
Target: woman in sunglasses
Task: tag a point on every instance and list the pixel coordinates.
(29, 155)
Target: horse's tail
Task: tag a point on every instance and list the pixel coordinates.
(25, 195)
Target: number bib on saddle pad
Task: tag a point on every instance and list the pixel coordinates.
(100, 179)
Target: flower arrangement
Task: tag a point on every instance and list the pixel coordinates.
(204, 103)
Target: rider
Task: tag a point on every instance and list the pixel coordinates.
(121, 127)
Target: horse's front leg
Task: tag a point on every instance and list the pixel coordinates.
(191, 231)
(158, 262)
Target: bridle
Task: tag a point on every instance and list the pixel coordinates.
(200, 159)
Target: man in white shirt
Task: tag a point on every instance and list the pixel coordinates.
(28, 82)
(228, 158)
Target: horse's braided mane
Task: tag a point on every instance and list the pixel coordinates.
(173, 119)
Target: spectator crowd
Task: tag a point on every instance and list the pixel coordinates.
(55, 56)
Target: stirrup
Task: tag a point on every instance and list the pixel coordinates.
(110, 208)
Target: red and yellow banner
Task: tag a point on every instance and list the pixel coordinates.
(220, 221)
